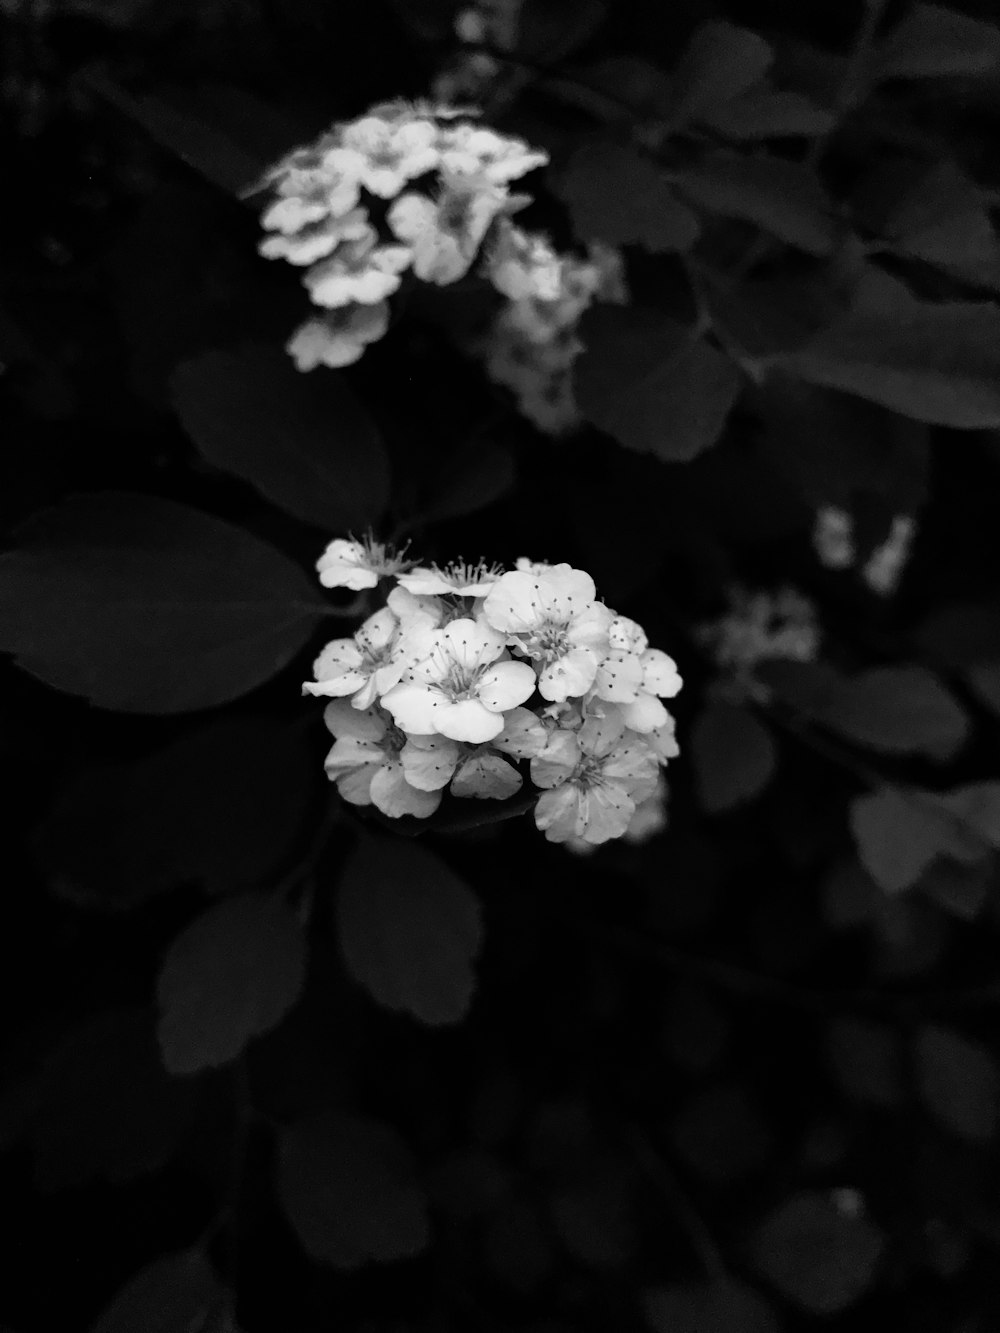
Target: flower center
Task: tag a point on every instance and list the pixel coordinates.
(547, 643)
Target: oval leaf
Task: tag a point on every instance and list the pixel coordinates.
(769, 113)
(347, 1185)
(783, 198)
(304, 441)
(720, 62)
(897, 710)
(647, 381)
(959, 1082)
(936, 363)
(618, 195)
(176, 1293)
(146, 606)
(932, 41)
(897, 839)
(821, 1258)
(233, 974)
(410, 930)
(734, 756)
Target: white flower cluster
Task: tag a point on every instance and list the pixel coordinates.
(762, 626)
(468, 667)
(485, 23)
(406, 188)
(533, 343)
(833, 539)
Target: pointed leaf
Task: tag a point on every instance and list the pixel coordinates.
(734, 756)
(937, 363)
(410, 930)
(177, 1293)
(618, 195)
(348, 1186)
(304, 441)
(959, 1082)
(897, 838)
(942, 220)
(231, 975)
(783, 198)
(146, 606)
(720, 62)
(932, 41)
(646, 380)
(897, 710)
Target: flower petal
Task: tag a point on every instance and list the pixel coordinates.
(486, 776)
(344, 565)
(659, 674)
(467, 720)
(557, 761)
(644, 714)
(471, 644)
(568, 676)
(523, 735)
(557, 813)
(506, 685)
(414, 708)
(343, 719)
(619, 677)
(393, 795)
(599, 735)
(429, 761)
(606, 812)
(355, 786)
(513, 605)
(350, 752)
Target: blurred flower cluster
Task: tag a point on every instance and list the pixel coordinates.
(835, 545)
(760, 626)
(481, 28)
(408, 187)
(532, 343)
(466, 668)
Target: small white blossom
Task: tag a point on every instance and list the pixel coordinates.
(372, 662)
(392, 151)
(462, 687)
(358, 271)
(347, 563)
(456, 579)
(553, 618)
(636, 676)
(366, 762)
(762, 626)
(523, 264)
(339, 337)
(316, 240)
(473, 150)
(446, 232)
(884, 566)
(833, 538)
(593, 779)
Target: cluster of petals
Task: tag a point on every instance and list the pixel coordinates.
(834, 542)
(468, 670)
(762, 626)
(533, 343)
(406, 188)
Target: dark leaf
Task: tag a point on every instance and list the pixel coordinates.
(593, 1222)
(769, 113)
(720, 62)
(734, 756)
(959, 1082)
(231, 975)
(781, 197)
(618, 195)
(726, 1306)
(224, 807)
(897, 710)
(477, 476)
(410, 929)
(347, 1184)
(818, 1256)
(932, 41)
(304, 441)
(177, 1293)
(720, 1134)
(866, 1058)
(942, 220)
(936, 363)
(146, 606)
(897, 839)
(100, 1106)
(652, 384)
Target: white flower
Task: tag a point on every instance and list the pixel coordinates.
(462, 687)
(315, 240)
(347, 563)
(408, 608)
(471, 150)
(312, 183)
(455, 579)
(650, 815)
(392, 151)
(522, 264)
(366, 765)
(833, 538)
(338, 338)
(358, 271)
(636, 676)
(370, 663)
(552, 617)
(447, 231)
(884, 566)
(593, 778)
(526, 565)
(763, 626)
